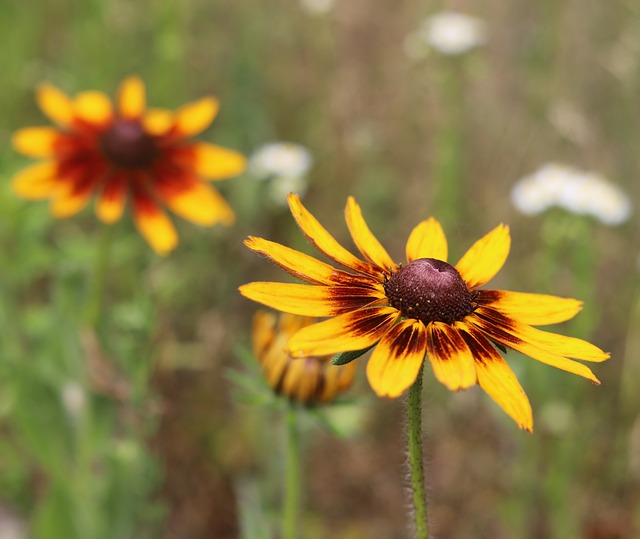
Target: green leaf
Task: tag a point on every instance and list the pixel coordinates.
(54, 516)
(347, 357)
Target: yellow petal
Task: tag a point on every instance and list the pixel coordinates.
(110, 205)
(354, 330)
(301, 380)
(511, 339)
(553, 342)
(323, 241)
(36, 141)
(396, 360)
(562, 345)
(132, 98)
(450, 356)
(216, 163)
(308, 300)
(427, 240)
(299, 264)
(337, 378)
(498, 380)
(158, 122)
(70, 201)
(533, 309)
(365, 241)
(93, 107)
(200, 204)
(328, 388)
(154, 226)
(37, 181)
(275, 362)
(193, 118)
(288, 323)
(485, 258)
(346, 374)
(55, 104)
(262, 332)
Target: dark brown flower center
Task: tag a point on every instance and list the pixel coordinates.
(126, 145)
(431, 291)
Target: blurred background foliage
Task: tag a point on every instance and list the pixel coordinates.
(133, 429)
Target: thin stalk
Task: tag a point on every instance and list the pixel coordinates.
(84, 480)
(449, 144)
(292, 493)
(416, 469)
(98, 278)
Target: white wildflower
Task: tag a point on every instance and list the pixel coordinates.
(539, 191)
(280, 159)
(448, 32)
(576, 191)
(281, 186)
(318, 7)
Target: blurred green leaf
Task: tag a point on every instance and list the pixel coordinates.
(53, 518)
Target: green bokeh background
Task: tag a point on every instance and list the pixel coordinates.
(162, 445)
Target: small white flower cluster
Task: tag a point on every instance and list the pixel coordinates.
(285, 165)
(578, 192)
(318, 7)
(448, 32)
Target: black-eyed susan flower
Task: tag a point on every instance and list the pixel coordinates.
(426, 307)
(308, 380)
(114, 153)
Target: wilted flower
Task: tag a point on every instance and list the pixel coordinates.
(127, 151)
(426, 308)
(448, 32)
(576, 191)
(307, 380)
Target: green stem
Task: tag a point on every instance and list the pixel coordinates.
(98, 278)
(414, 441)
(291, 507)
(449, 144)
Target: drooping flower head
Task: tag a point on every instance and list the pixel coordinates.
(114, 153)
(426, 307)
(308, 380)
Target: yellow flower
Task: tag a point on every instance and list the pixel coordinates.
(127, 150)
(308, 380)
(425, 307)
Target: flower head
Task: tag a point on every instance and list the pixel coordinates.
(127, 151)
(449, 32)
(309, 380)
(318, 7)
(578, 192)
(280, 159)
(284, 166)
(425, 307)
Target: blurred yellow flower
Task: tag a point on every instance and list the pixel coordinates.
(308, 380)
(127, 150)
(425, 307)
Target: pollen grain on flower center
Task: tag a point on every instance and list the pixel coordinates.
(429, 290)
(125, 144)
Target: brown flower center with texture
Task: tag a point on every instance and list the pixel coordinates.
(431, 291)
(126, 145)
